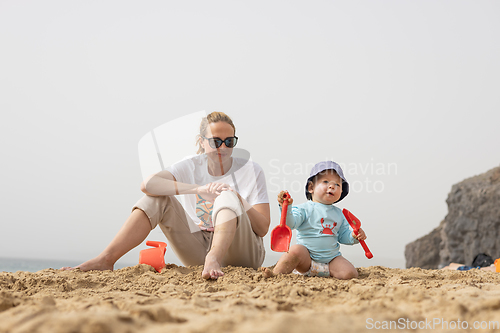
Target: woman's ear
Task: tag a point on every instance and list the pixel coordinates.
(200, 142)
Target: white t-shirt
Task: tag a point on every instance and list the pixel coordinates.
(244, 176)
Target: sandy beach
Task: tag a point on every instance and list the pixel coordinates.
(138, 299)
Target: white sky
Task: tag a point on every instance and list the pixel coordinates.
(404, 94)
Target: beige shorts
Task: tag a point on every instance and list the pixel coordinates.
(191, 244)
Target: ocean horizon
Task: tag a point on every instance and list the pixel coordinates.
(34, 265)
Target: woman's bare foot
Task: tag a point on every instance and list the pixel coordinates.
(267, 272)
(95, 264)
(212, 269)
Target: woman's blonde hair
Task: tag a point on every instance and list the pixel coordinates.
(213, 117)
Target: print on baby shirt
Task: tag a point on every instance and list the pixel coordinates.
(327, 228)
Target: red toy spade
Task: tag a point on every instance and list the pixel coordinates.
(282, 234)
(355, 225)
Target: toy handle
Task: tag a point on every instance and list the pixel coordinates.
(368, 254)
(160, 245)
(284, 209)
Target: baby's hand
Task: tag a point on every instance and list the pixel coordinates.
(361, 236)
(280, 198)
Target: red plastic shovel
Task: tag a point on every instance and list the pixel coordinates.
(355, 225)
(282, 234)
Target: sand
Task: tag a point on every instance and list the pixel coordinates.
(138, 299)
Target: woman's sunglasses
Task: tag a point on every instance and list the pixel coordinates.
(230, 142)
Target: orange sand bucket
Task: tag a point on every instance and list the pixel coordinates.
(497, 265)
(154, 257)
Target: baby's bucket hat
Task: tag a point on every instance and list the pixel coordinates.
(328, 165)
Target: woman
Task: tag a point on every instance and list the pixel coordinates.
(231, 223)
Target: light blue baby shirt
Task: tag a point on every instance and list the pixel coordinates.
(320, 228)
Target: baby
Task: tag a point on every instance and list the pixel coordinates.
(320, 228)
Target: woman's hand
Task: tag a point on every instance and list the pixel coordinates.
(361, 236)
(211, 191)
(280, 198)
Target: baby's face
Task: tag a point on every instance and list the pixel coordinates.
(327, 188)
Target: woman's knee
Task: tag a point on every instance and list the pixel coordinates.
(227, 201)
(158, 209)
(227, 198)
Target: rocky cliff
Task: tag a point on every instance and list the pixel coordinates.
(472, 225)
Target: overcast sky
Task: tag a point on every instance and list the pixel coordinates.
(403, 94)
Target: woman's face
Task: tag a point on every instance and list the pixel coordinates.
(221, 130)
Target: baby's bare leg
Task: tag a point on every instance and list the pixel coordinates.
(297, 258)
(341, 268)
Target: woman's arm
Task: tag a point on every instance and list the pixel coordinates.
(164, 183)
(259, 215)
